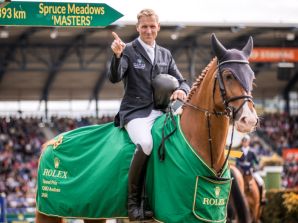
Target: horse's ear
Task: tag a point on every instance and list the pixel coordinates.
(217, 47)
(247, 49)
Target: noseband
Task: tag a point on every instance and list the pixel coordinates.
(229, 111)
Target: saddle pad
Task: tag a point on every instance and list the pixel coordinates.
(83, 173)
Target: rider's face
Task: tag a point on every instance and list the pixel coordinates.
(148, 28)
(245, 143)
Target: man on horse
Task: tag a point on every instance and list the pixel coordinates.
(248, 164)
(137, 64)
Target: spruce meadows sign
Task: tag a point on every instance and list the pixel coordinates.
(21, 13)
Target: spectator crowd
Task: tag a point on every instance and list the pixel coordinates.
(282, 131)
(20, 143)
(20, 147)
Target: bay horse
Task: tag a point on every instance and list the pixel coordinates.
(220, 95)
(238, 208)
(252, 194)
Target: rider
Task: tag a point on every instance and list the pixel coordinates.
(248, 164)
(137, 63)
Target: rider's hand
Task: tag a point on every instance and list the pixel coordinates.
(117, 45)
(178, 94)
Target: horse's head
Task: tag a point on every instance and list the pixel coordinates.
(235, 78)
(248, 178)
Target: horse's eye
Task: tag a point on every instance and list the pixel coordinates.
(229, 77)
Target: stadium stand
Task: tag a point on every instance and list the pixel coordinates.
(281, 129)
(20, 146)
(20, 143)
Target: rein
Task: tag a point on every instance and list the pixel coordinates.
(161, 148)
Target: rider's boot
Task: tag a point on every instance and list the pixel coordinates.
(263, 199)
(136, 179)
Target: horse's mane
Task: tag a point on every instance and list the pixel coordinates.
(199, 79)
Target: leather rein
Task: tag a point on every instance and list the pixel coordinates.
(229, 111)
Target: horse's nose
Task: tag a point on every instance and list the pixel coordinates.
(249, 121)
(257, 123)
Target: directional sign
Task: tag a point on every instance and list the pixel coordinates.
(21, 13)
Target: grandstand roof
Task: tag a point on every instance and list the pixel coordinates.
(71, 63)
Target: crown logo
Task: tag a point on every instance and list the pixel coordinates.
(58, 142)
(56, 162)
(217, 191)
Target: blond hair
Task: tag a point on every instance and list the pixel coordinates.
(147, 12)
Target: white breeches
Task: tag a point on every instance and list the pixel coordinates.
(258, 178)
(139, 131)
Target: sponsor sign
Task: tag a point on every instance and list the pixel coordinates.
(260, 54)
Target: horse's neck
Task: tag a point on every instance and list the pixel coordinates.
(194, 125)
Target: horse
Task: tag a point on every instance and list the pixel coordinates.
(253, 194)
(188, 177)
(238, 208)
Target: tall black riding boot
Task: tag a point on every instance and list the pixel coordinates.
(136, 179)
(263, 200)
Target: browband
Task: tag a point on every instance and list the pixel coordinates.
(233, 61)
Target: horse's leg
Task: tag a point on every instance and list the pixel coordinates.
(257, 199)
(94, 221)
(253, 198)
(41, 218)
(237, 199)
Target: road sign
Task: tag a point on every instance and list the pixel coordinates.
(21, 13)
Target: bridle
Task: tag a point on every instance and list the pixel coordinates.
(229, 110)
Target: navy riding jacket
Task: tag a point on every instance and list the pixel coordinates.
(136, 70)
(247, 162)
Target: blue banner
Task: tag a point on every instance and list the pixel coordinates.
(2, 209)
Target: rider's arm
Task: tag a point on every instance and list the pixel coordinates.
(118, 68)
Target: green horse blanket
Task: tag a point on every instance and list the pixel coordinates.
(84, 174)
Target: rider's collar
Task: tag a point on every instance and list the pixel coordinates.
(245, 150)
(145, 45)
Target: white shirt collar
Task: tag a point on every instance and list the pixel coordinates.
(145, 45)
(245, 150)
